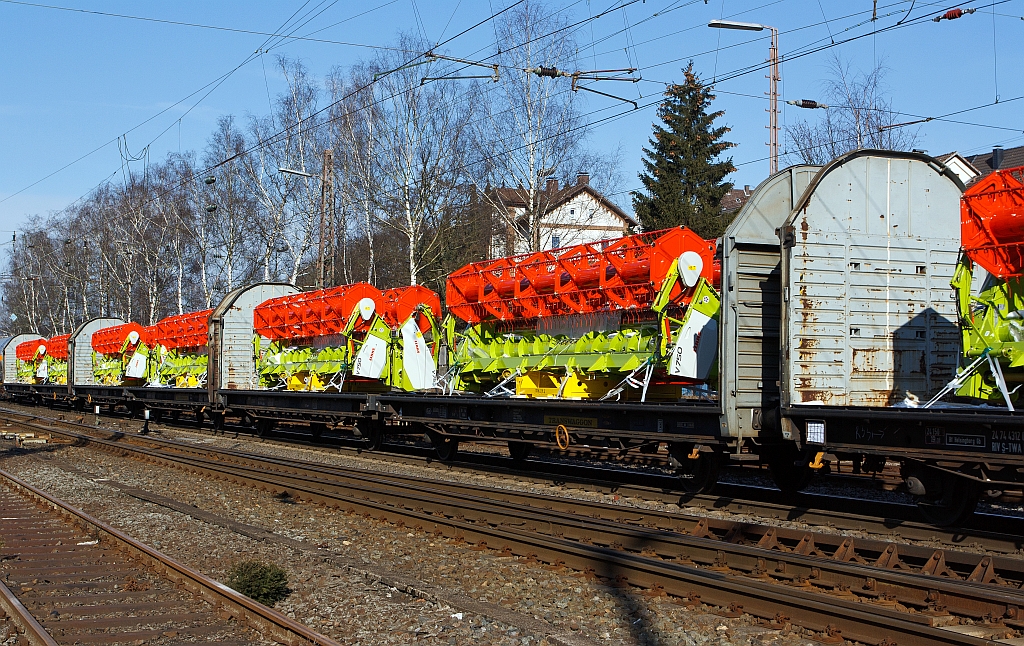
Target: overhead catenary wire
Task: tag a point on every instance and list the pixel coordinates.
(301, 122)
(212, 84)
(180, 23)
(503, 152)
(264, 47)
(293, 125)
(216, 82)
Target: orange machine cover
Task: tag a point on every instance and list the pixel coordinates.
(57, 346)
(182, 331)
(401, 302)
(27, 349)
(620, 274)
(992, 222)
(308, 315)
(110, 339)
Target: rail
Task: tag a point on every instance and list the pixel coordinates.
(829, 589)
(270, 623)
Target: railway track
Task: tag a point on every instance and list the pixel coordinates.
(865, 590)
(68, 578)
(890, 520)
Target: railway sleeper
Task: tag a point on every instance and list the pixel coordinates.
(866, 586)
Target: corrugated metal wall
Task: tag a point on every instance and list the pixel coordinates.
(10, 365)
(233, 366)
(870, 251)
(80, 351)
(751, 298)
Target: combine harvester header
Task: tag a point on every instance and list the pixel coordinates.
(352, 337)
(121, 354)
(992, 322)
(181, 344)
(591, 320)
(43, 361)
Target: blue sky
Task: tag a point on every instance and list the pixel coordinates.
(73, 82)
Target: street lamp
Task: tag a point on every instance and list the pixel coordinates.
(773, 76)
(325, 192)
(295, 172)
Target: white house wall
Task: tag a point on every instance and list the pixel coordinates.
(583, 219)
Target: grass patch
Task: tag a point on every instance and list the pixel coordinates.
(263, 582)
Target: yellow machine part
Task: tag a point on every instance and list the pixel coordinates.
(186, 381)
(542, 384)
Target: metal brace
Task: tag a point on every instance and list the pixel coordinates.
(629, 380)
(502, 390)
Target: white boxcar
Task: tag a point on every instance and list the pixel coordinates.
(868, 317)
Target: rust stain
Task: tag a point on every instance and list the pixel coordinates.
(823, 396)
(804, 228)
(807, 343)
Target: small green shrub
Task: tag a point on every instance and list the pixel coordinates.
(263, 582)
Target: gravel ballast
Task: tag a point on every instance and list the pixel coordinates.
(347, 572)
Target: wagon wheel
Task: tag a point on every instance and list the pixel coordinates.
(445, 446)
(788, 467)
(698, 474)
(264, 427)
(373, 434)
(953, 502)
(519, 450)
(317, 429)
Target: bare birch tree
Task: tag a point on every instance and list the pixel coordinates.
(289, 139)
(532, 126)
(860, 115)
(420, 136)
(353, 115)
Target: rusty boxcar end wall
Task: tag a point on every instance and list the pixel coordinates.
(232, 365)
(80, 371)
(867, 257)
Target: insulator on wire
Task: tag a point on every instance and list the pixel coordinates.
(807, 103)
(953, 14)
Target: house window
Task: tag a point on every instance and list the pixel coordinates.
(572, 211)
(556, 241)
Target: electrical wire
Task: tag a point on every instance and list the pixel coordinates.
(212, 85)
(211, 27)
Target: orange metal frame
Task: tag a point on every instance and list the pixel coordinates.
(326, 312)
(308, 315)
(110, 339)
(992, 222)
(621, 274)
(27, 349)
(57, 347)
(182, 331)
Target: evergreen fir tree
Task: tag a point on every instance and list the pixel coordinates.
(683, 181)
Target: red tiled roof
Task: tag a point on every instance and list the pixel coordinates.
(552, 199)
(735, 199)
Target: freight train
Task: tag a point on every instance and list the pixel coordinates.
(820, 327)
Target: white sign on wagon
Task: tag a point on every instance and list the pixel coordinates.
(416, 358)
(371, 358)
(136, 368)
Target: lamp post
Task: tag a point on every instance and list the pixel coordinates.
(773, 77)
(325, 192)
